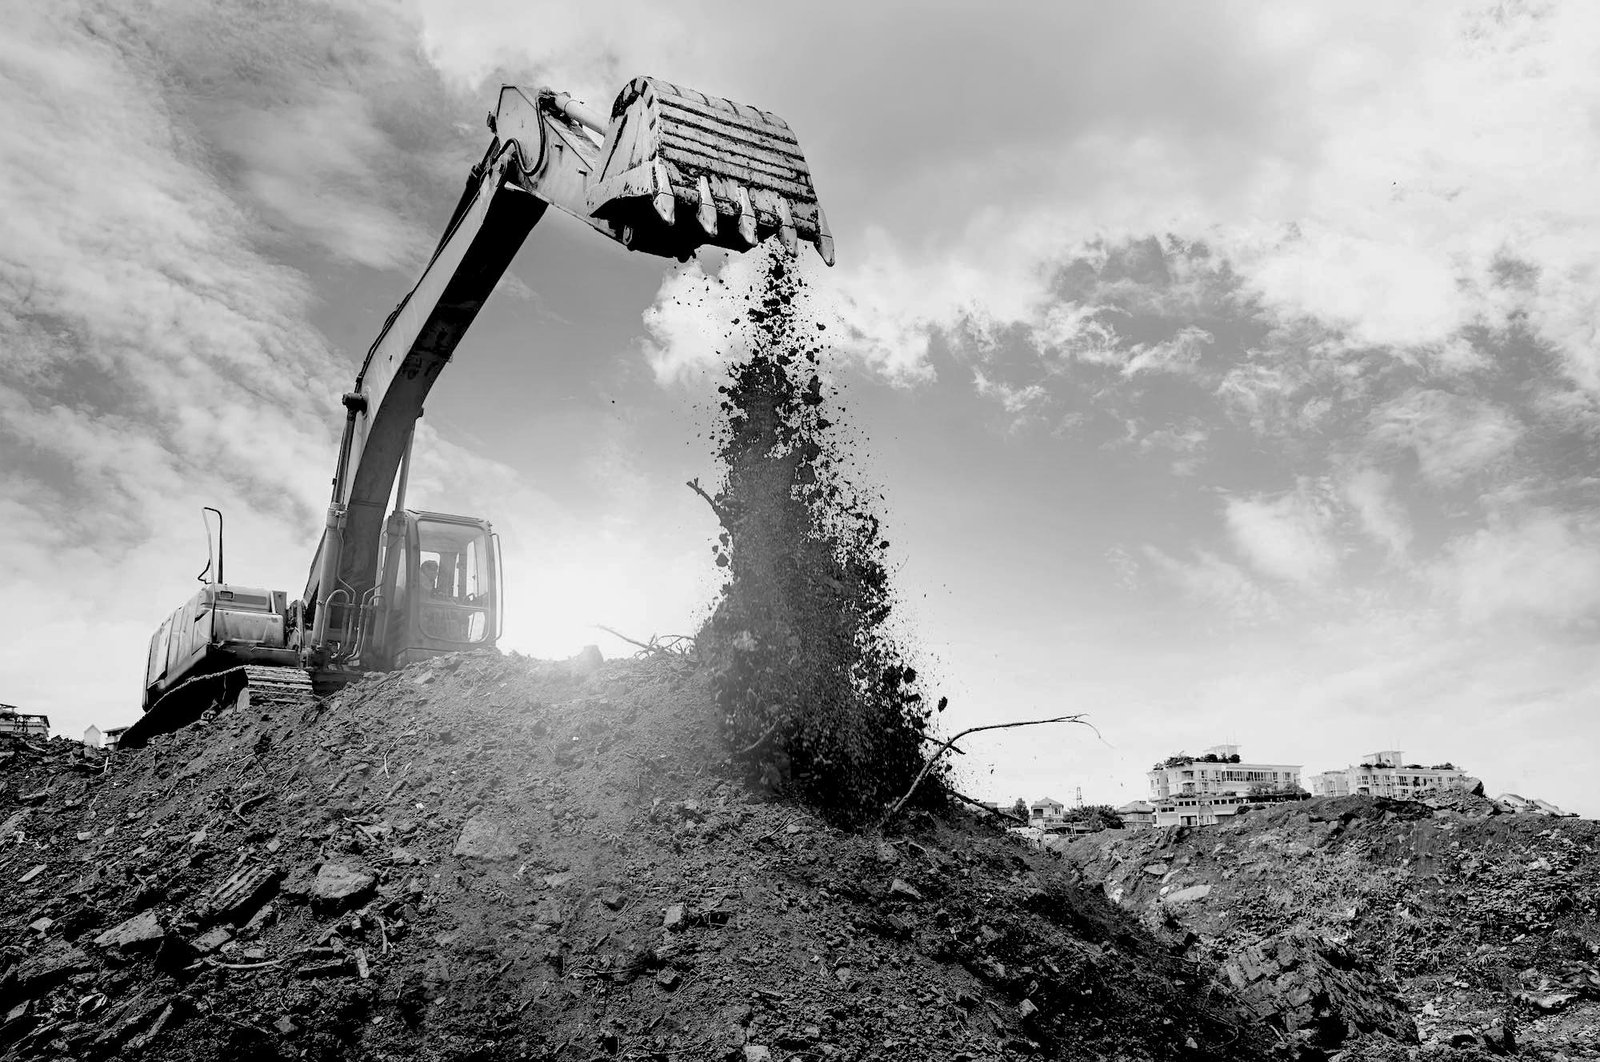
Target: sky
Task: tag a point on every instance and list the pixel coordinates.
(1230, 372)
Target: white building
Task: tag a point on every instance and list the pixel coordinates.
(1387, 774)
(21, 724)
(1202, 790)
(1137, 814)
(1216, 772)
(1046, 812)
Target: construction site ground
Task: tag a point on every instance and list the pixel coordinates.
(490, 857)
(1453, 930)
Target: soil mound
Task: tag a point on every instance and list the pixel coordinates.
(494, 858)
(1369, 926)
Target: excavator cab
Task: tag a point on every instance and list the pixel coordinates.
(439, 591)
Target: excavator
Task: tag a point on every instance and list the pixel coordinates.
(671, 171)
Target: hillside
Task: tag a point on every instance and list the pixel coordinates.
(1451, 931)
(491, 858)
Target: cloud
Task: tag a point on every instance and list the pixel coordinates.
(1212, 581)
(1370, 493)
(1539, 565)
(1287, 538)
(1453, 436)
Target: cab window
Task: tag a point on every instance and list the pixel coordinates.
(452, 581)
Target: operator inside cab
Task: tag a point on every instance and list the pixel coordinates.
(430, 579)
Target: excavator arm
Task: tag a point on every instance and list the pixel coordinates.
(670, 171)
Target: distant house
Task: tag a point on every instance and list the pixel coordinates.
(1046, 812)
(19, 724)
(1137, 815)
(113, 738)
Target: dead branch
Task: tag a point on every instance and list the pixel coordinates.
(1008, 816)
(671, 645)
(722, 514)
(946, 746)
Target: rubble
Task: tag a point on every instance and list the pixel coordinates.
(1362, 927)
(519, 859)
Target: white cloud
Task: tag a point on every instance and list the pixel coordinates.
(1179, 354)
(1288, 538)
(1214, 582)
(1370, 492)
(1539, 565)
(1453, 436)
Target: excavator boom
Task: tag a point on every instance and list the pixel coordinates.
(673, 170)
(669, 171)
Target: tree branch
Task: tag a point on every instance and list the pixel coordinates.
(721, 513)
(947, 746)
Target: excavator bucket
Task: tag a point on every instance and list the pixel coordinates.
(680, 169)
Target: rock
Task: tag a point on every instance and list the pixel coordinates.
(30, 875)
(674, 917)
(899, 887)
(548, 911)
(756, 1053)
(886, 852)
(338, 885)
(1026, 1009)
(559, 880)
(241, 893)
(484, 838)
(588, 660)
(613, 898)
(1189, 895)
(667, 979)
(211, 940)
(1155, 870)
(50, 967)
(285, 1027)
(140, 929)
(41, 925)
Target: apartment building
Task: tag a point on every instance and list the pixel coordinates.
(1216, 772)
(1387, 774)
(17, 723)
(1205, 789)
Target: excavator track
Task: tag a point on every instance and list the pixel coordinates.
(254, 686)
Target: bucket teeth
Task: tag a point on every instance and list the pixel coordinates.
(747, 218)
(824, 242)
(666, 206)
(682, 169)
(706, 212)
(786, 234)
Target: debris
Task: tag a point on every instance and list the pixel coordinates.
(899, 888)
(487, 839)
(339, 885)
(30, 875)
(211, 940)
(141, 929)
(241, 893)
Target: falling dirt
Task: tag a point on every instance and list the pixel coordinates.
(816, 691)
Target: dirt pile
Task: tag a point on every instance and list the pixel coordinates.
(1358, 924)
(494, 858)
